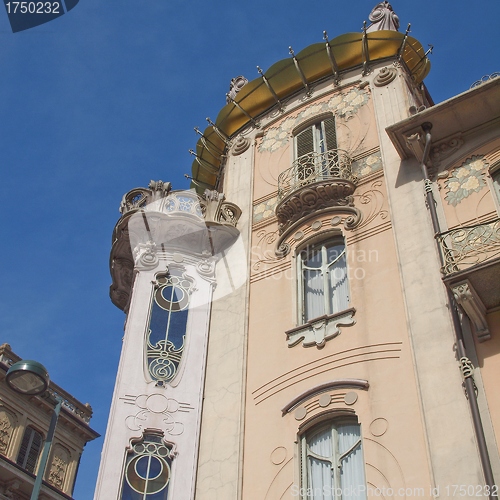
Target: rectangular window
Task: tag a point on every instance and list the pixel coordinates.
(324, 286)
(332, 462)
(30, 449)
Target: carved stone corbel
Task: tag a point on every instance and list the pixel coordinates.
(145, 256)
(319, 330)
(470, 302)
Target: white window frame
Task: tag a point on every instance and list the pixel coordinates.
(330, 306)
(317, 488)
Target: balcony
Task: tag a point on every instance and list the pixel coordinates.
(315, 181)
(471, 269)
(156, 222)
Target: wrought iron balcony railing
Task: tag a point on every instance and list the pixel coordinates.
(315, 167)
(469, 246)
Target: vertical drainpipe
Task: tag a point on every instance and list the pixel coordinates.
(465, 363)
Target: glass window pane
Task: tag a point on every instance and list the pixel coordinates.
(314, 301)
(334, 445)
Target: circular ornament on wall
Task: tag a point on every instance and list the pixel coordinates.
(278, 455)
(300, 413)
(324, 400)
(350, 398)
(379, 427)
(385, 76)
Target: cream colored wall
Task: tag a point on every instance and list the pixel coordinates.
(488, 354)
(376, 348)
(467, 198)
(466, 194)
(449, 433)
(416, 427)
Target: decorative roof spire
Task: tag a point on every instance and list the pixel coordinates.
(383, 18)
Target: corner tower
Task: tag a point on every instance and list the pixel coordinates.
(165, 249)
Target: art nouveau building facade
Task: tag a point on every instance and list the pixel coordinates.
(312, 330)
(24, 422)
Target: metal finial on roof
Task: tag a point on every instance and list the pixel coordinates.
(383, 18)
(235, 86)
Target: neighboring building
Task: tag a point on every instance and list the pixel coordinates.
(24, 422)
(326, 342)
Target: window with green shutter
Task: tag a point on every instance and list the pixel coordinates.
(30, 449)
(313, 148)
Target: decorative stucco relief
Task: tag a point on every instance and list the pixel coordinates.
(264, 209)
(156, 404)
(365, 353)
(264, 250)
(466, 179)
(7, 424)
(316, 332)
(342, 105)
(330, 400)
(383, 470)
(444, 149)
(367, 165)
(373, 204)
(59, 467)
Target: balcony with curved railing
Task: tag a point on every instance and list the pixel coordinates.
(473, 253)
(315, 181)
(315, 167)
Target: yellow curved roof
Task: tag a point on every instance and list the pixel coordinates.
(349, 50)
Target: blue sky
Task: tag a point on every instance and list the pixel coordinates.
(104, 99)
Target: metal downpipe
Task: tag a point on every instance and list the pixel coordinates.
(457, 327)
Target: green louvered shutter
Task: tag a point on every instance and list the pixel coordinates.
(330, 133)
(304, 144)
(29, 450)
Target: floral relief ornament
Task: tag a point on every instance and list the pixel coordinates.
(465, 180)
(341, 105)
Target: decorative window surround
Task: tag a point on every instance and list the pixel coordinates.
(351, 383)
(318, 330)
(473, 306)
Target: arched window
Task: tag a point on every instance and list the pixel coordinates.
(147, 470)
(332, 462)
(323, 280)
(30, 449)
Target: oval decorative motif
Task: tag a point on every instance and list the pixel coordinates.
(278, 455)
